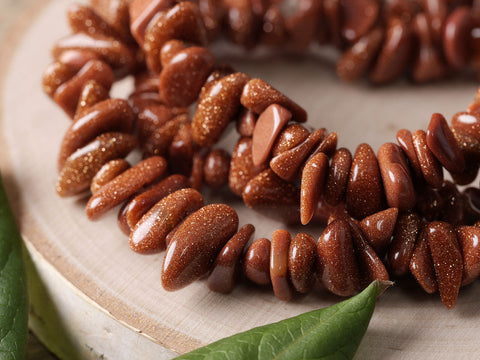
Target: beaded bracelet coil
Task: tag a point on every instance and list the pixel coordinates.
(386, 214)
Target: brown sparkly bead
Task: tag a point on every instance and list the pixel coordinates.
(447, 260)
(242, 169)
(119, 56)
(68, 93)
(453, 209)
(83, 19)
(472, 202)
(142, 12)
(370, 266)
(55, 75)
(153, 118)
(133, 210)
(269, 125)
(405, 140)
(466, 128)
(273, 196)
(256, 262)
(279, 265)
(92, 93)
(429, 203)
(312, 185)
(226, 266)
(124, 186)
(213, 13)
(457, 29)
(273, 29)
(431, 169)
(378, 228)
(107, 116)
(80, 167)
(288, 164)
(421, 263)
(337, 265)
(338, 176)
(217, 107)
(355, 61)
(246, 122)
(442, 143)
(469, 174)
(241, 22)
(302, 25)
(333, 18)
(116, 14)
(359, 16)
(469, 240)
(216, 168)
(198, 164)
(429, 64)
(401, 248)
(328, 145)
(169, 50)
(182, 79)
(257, 95)
(302, 258)
(159, 142)
(181, 150)
(108, 172)
(182, 22)
(364, 188)
(149, 233)
(395, 53)
(397, 181)
(196, 244)
(290, 136)
(436, 11)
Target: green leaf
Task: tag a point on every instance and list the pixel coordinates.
(334, 332)
(13, 286)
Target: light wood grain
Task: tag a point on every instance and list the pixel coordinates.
(94, 260)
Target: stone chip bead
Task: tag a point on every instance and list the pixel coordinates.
(80, 167)
(337, 177)
(216, 168)
(242, 169)
(444, 146)
(225, 269)
(181, 22)
(133, 210)
(149, 233)
(396, 177)
(142, 12)
(106, 116)
(447, 260)
(196, 244)
(217, 106)
(337, 266)
(421, 263)
(469, 241)
(279, 275)
(403, 242)
(431, 168)
(457, 29)
(364, 188)
(273, 196)
(108, 172)
(312, 185)
(183, 77)
(256, 262)
(378, 228)
(267, 129)
(258, 95)
(124, 186)
(302, 262)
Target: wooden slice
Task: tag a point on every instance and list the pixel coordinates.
(93, 296)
